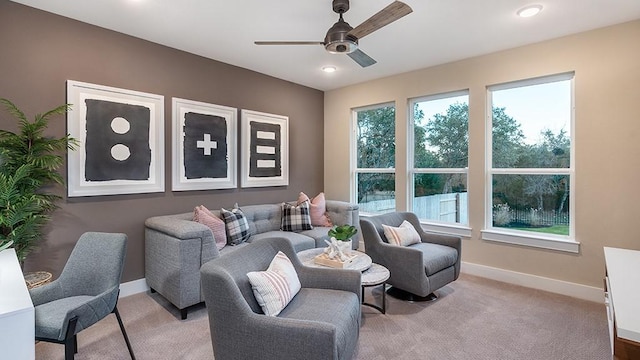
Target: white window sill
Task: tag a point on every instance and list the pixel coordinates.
(447, 229)
(533, 240)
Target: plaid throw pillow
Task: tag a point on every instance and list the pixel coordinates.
(236, 225)
(295, 218)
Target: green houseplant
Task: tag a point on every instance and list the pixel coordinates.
(343, 232)
(29, 163)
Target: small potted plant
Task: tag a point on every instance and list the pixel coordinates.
(343, 234)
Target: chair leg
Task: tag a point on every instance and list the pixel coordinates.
(124, 332)
(70, 340)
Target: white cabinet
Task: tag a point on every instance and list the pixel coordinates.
(17, 317)
(622, 297)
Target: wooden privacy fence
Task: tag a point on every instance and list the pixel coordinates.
(440, 207)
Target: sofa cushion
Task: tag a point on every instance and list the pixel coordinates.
(300, 242)
(295, 217)
(236, 224)
(319, 234)
(344, 312)
(275, 287)
(263, 218)
(318, 209)
(202, 215)
(404, 235)
(436, 257)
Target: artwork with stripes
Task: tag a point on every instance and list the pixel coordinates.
(265, 160)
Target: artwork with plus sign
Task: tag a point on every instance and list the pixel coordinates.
(204, 146)
(121, 136)
(265, 157)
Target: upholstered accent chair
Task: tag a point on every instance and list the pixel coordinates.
(417, 270)
(85, 293)
(321, 322)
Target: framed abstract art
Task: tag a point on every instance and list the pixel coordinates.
(265, 149)
(204, 146)
(121, 134)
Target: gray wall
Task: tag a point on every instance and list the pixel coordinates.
(40, 51)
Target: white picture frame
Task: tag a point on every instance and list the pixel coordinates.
(135, 162)
(192, 170)
(265, 149)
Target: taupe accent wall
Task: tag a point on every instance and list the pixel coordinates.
(607, 139)
(40, 51)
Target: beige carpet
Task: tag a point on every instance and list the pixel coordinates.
(474, 318)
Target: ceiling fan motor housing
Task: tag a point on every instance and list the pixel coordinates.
(338, 40)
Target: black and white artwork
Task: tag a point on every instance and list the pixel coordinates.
(121, 141)
(265, 158)
(204, 146)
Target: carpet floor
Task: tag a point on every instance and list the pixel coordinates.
(473, 318)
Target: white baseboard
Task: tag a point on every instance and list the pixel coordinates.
(512, 277)
(536, 282)
(133, 287)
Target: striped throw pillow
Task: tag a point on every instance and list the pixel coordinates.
(403, 235)
(275, 287)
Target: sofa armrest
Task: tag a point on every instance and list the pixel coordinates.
(442, 239)
(178, 226)
(336, 279)
(345, 213)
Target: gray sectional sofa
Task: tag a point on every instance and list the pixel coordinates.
(176, 246)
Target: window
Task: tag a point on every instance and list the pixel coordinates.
(374, 175)
(439, 138)
(530, 163)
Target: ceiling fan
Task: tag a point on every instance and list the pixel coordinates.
(343, 39)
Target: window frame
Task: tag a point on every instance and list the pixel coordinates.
(355, 170)
(453, 228)
(519, 237)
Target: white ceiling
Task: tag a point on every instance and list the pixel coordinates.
(437, 32)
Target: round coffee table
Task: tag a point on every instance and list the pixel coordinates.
(372, 274)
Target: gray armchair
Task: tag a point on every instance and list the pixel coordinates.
(321, 322)
(86, 291)
(416, 270)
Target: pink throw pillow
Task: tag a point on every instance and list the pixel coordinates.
(317, 210)
(202, 215)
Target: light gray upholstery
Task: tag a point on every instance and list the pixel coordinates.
(176, 246)
(87, 288)
(419, 269)
(321, 322)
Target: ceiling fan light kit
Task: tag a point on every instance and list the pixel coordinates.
(341, 38)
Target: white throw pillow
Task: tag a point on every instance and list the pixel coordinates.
(403, 235)
(275, 287)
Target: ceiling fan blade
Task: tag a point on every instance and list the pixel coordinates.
(288, 42)
(361, 58)
(386, 16)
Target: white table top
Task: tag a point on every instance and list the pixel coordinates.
(361, 263)
(623, 271)
(375, 275)
(15, 296)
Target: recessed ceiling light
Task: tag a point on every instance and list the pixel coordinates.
(529, 11)
(329, 69)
